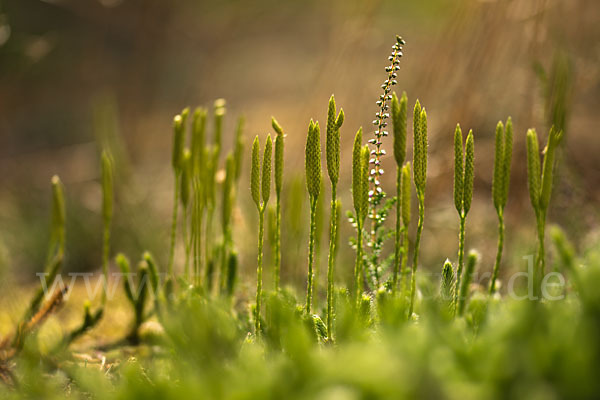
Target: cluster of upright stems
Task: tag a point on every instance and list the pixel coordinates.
(195, 171)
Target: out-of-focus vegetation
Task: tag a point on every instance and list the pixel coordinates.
(89, 89)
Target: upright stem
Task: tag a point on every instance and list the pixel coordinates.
(186, 242)
(207, 248)
(261, 222)
(105, 258)
(277, 244)
(174, 224)
(330, 265)
(359, 262)
(311, 255)
(461, 256)
(403, 268)
(413, 281)
(540, 262)
(499, 251)
(398, 231)
(197, 233)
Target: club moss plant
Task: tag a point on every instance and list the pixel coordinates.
(500, 184)
(279, 140)
(360, 197)
(420, 178)
(198, 187)
(332, 152)
(378, 210)
(260, 186)
(313, 184)
(540, 182)
(179, 124)
(464, 162)
(399, 124)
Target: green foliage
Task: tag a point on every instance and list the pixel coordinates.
(279, 151)
(357, 176)
(255, 173)
(463, 194)
(179, 124)
(419, 177)
(332, 144)
(447, 286)
(313, 160)
(399, 123)
(198, 140)
(405, 182)
(459, 169)
(312, 164)
(472, 259)
(266, 170)
(332, 152)
(540, 189)
(533, 168)
(500, 185)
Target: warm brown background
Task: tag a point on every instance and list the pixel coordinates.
(74, 72)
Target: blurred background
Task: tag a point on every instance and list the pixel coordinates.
(80, 75)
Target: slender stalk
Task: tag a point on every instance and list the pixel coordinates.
(207, 248)
(403, 268)
(311, 253)
(413, 281)
(358, 282)
(330, 265)
(259, 269)
(187, 242)
(197, 231)
(498, 253)
(174, 223)
(105, 258)
(276, 271)
(540, 262)
(398, 237)
(461, 260)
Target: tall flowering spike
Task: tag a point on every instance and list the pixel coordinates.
(266, 170)
(508, 146)
(533, 168)
(416, 139)
(406, 197)
(380, 129)
(399, 121)
(313, 159)
(255, 172)
(364, 202)
(357, 173)
(364, 155)
(420, 163)
(278, 163)
(548, 167)
(332, 149)
(238, 151)
(498, 179)
(186, 177)
(178, 141)
(458, 169)
(107, 186)
(198, 139)
(469, 172)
